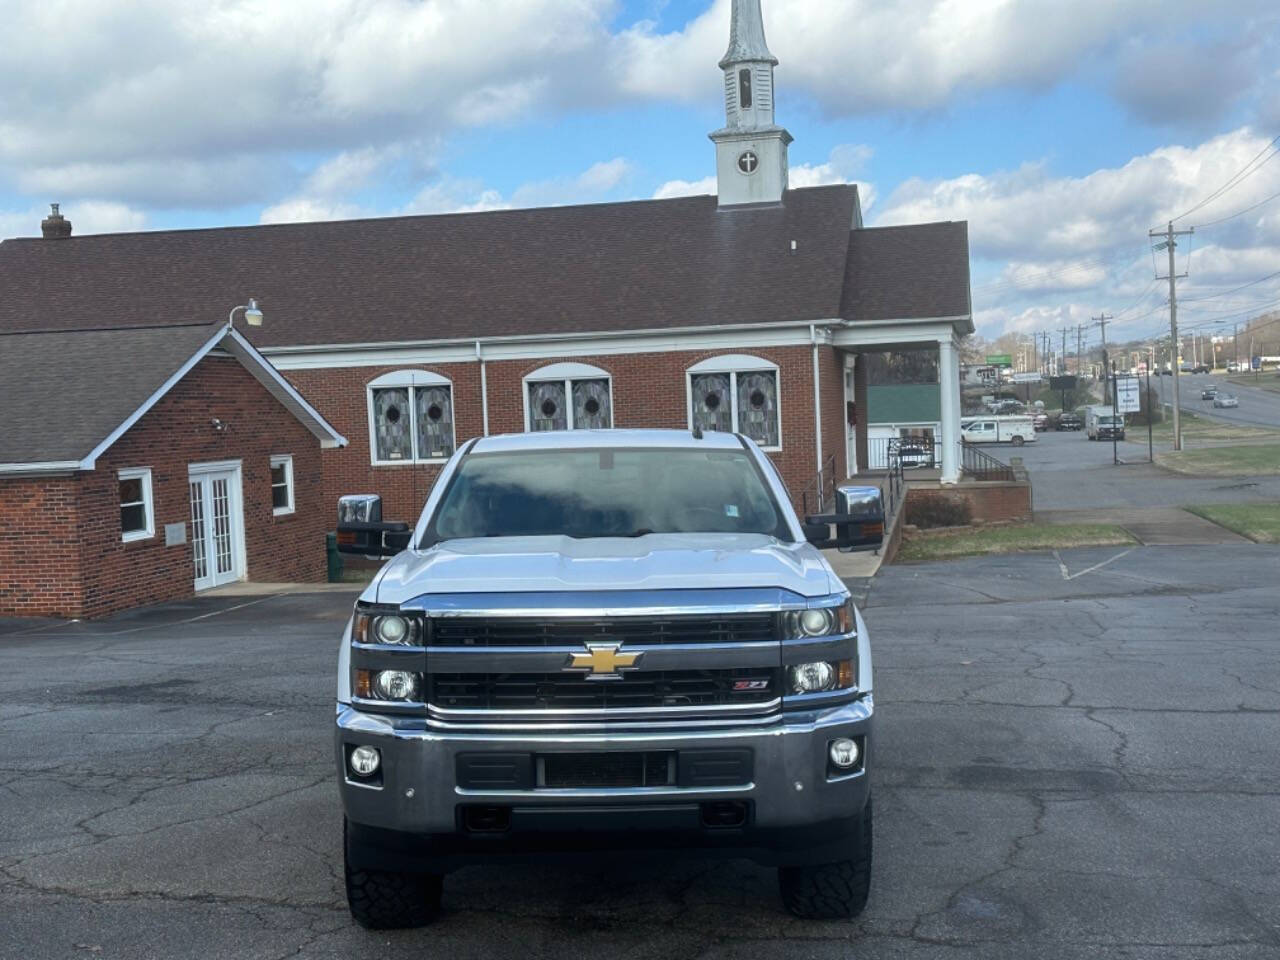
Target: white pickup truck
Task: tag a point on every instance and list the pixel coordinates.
(616, 642)
(1015, 430)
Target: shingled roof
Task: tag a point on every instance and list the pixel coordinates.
(907, 272)
(68, 394)
(619, 267)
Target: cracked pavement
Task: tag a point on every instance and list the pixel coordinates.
(1065, 769)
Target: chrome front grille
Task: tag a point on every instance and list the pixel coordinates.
(573, 631)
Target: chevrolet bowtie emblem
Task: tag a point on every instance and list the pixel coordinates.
(603, 661)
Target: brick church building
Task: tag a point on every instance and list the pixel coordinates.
(751, 311)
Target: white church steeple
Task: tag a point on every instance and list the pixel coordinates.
(751, 149)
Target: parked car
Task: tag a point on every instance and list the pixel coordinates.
(1225, 400)
(1200, 368)
(1209, 392)
(915, 452)
(1041, 422)
(1166, 372)
(1070, 421)
(1233, 367)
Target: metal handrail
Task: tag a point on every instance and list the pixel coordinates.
(826, 477)
(980, 465)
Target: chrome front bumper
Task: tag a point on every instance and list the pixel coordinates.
(790, 789)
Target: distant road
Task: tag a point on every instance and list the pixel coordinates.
(1258, 407)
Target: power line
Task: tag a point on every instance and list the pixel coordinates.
(1240, 176)
(1239, 213)
(1243, 286)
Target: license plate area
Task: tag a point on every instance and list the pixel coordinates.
(566, 771)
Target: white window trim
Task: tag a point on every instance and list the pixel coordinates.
(408, 379)
(282, 460)
(566, 372)
(148, 503)
(733, 364)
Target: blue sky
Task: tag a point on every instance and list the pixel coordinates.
(1061, 132)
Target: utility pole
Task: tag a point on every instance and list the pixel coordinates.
(1079, 332)
(1102, 322)
(1170, 243)
(1062, 357)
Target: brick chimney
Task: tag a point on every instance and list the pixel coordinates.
(55, 226)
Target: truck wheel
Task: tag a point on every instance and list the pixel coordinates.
(1018, 441)
(388, 900)
(831, 891)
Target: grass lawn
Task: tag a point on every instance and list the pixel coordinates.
(1013, 539)
(1258, 460)
(1197, 428)
(1260, 522)
(1268, 381)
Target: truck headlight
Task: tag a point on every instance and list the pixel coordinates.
(395, 629)
(812, 677)
(818, 621)
(388, 685)
(820, 677)
(395, 685)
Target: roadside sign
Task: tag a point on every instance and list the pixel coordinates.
(1000, 360)
(1128, 395)
(1062, 383)
(1027, 378)
(1257, 363)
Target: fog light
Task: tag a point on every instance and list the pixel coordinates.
(365, 761)
(396, 685)
(844, 753)
(812, 677)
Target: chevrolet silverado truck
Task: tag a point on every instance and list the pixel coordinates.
(602, 641)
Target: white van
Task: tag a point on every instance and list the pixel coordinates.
(1014, 430)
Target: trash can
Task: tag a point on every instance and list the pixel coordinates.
(335, 558)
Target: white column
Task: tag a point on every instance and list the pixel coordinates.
(949, 384)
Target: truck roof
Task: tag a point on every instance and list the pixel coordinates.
(612, 439)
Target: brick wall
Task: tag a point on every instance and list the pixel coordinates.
(92, 572)
(988, 501)
(39, 547)
(648, 391)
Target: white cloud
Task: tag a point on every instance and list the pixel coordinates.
(593, 184)
(686, 188)
(862, 55)
(326, 193)
(841, 166)
(1050, 250)
(90, 217)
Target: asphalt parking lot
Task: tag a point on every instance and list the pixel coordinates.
(1075, 761)
(1070, 472)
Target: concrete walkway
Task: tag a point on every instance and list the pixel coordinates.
(1151, 526)
(246, 589)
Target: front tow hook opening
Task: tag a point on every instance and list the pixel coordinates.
(487, 819)
(724, 814)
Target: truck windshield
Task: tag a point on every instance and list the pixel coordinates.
(606, 493)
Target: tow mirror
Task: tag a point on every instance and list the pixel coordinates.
(819, 534)
(861, 513)
(361, 530)
(859, 521)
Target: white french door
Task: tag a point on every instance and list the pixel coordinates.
(217, 524)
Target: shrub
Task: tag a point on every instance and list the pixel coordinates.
(929, 510)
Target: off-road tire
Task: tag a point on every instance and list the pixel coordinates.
(831, 891)
(389, 900)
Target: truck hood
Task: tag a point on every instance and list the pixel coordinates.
(653, 562)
